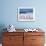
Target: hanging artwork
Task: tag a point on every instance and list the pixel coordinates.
(26, 14)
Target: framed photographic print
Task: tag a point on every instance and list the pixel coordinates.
(26, 14)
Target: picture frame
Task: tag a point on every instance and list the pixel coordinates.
(26, 14)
